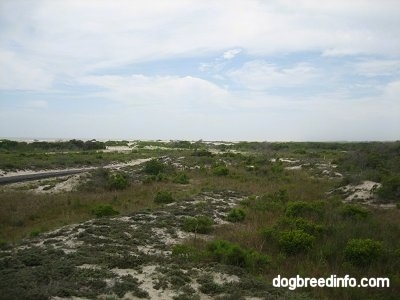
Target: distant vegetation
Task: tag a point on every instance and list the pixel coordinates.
(72, 145)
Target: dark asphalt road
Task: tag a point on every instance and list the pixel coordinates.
(20, 178)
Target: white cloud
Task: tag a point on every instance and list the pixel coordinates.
(77, 42)
(231, 53)
(75, 36)
(371, 68)
(22, 74)
(260, 75)
(392, 92)
(36, 104)
(163, 91)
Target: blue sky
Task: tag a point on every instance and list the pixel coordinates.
(213, 70)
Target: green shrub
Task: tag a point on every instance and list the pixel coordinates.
(185, 251)
(232, 254)
(105, 210)
(202, 152)
(35, 232)
(117, 181)
(304, 209)
(149, 179)
(164, 197)
(236, 215)
(181, 178)
(295, 241)
(390, 189)
(362, 252)
(227, 253)
(290, 223)
(199, 224)
(4, 245)
(268, 233)
(221, 171)
(354, 211)
(153, 167)
(268, 202)
(308, 226)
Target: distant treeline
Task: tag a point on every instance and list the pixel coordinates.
(71, 145)
(309, 146)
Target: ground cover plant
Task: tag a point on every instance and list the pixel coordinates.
(194, 211)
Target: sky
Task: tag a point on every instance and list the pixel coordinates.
(278, 70)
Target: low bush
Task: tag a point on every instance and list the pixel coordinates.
(185, 251)
(232, 254)
(307, 226)
(362, 252)
(104, 211)
(304, 209)
(164, 197)
(390, 189)
(199, 224)
(117, 181)
(153, 167)
(236, 215)
(268, 233)
(267, 202)
(354, 211)
(181, 178)
(295, 241)
(221, 171)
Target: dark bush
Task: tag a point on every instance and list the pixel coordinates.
(232, 254)
(199, 224)
(153, 167)
(295, 241)
(304, 209)
(354, 211)
(104, 211)
(362, 252)
(202, 153)
(236, 215)
(117, 181)
(390, 189)
(181, 178)
(164, 197)
(221, 171)
(307, 226)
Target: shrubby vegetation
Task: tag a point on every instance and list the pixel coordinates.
(354, 211)
(181, 178)
(117, 181)
(236, 215)
(291, 223)
(295, 241)
(153, 167)
(363, 252)
(233, 254)
(72, 145)
(105, 210)
(198, 224)
(221, 171)
(164, 197)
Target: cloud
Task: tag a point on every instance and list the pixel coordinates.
(36, 104)
(381, 67)
(18, 73)
(261, 75)
(392, 92)
(263, 62)
(231, 53)
(163, 91)
(73, 37)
